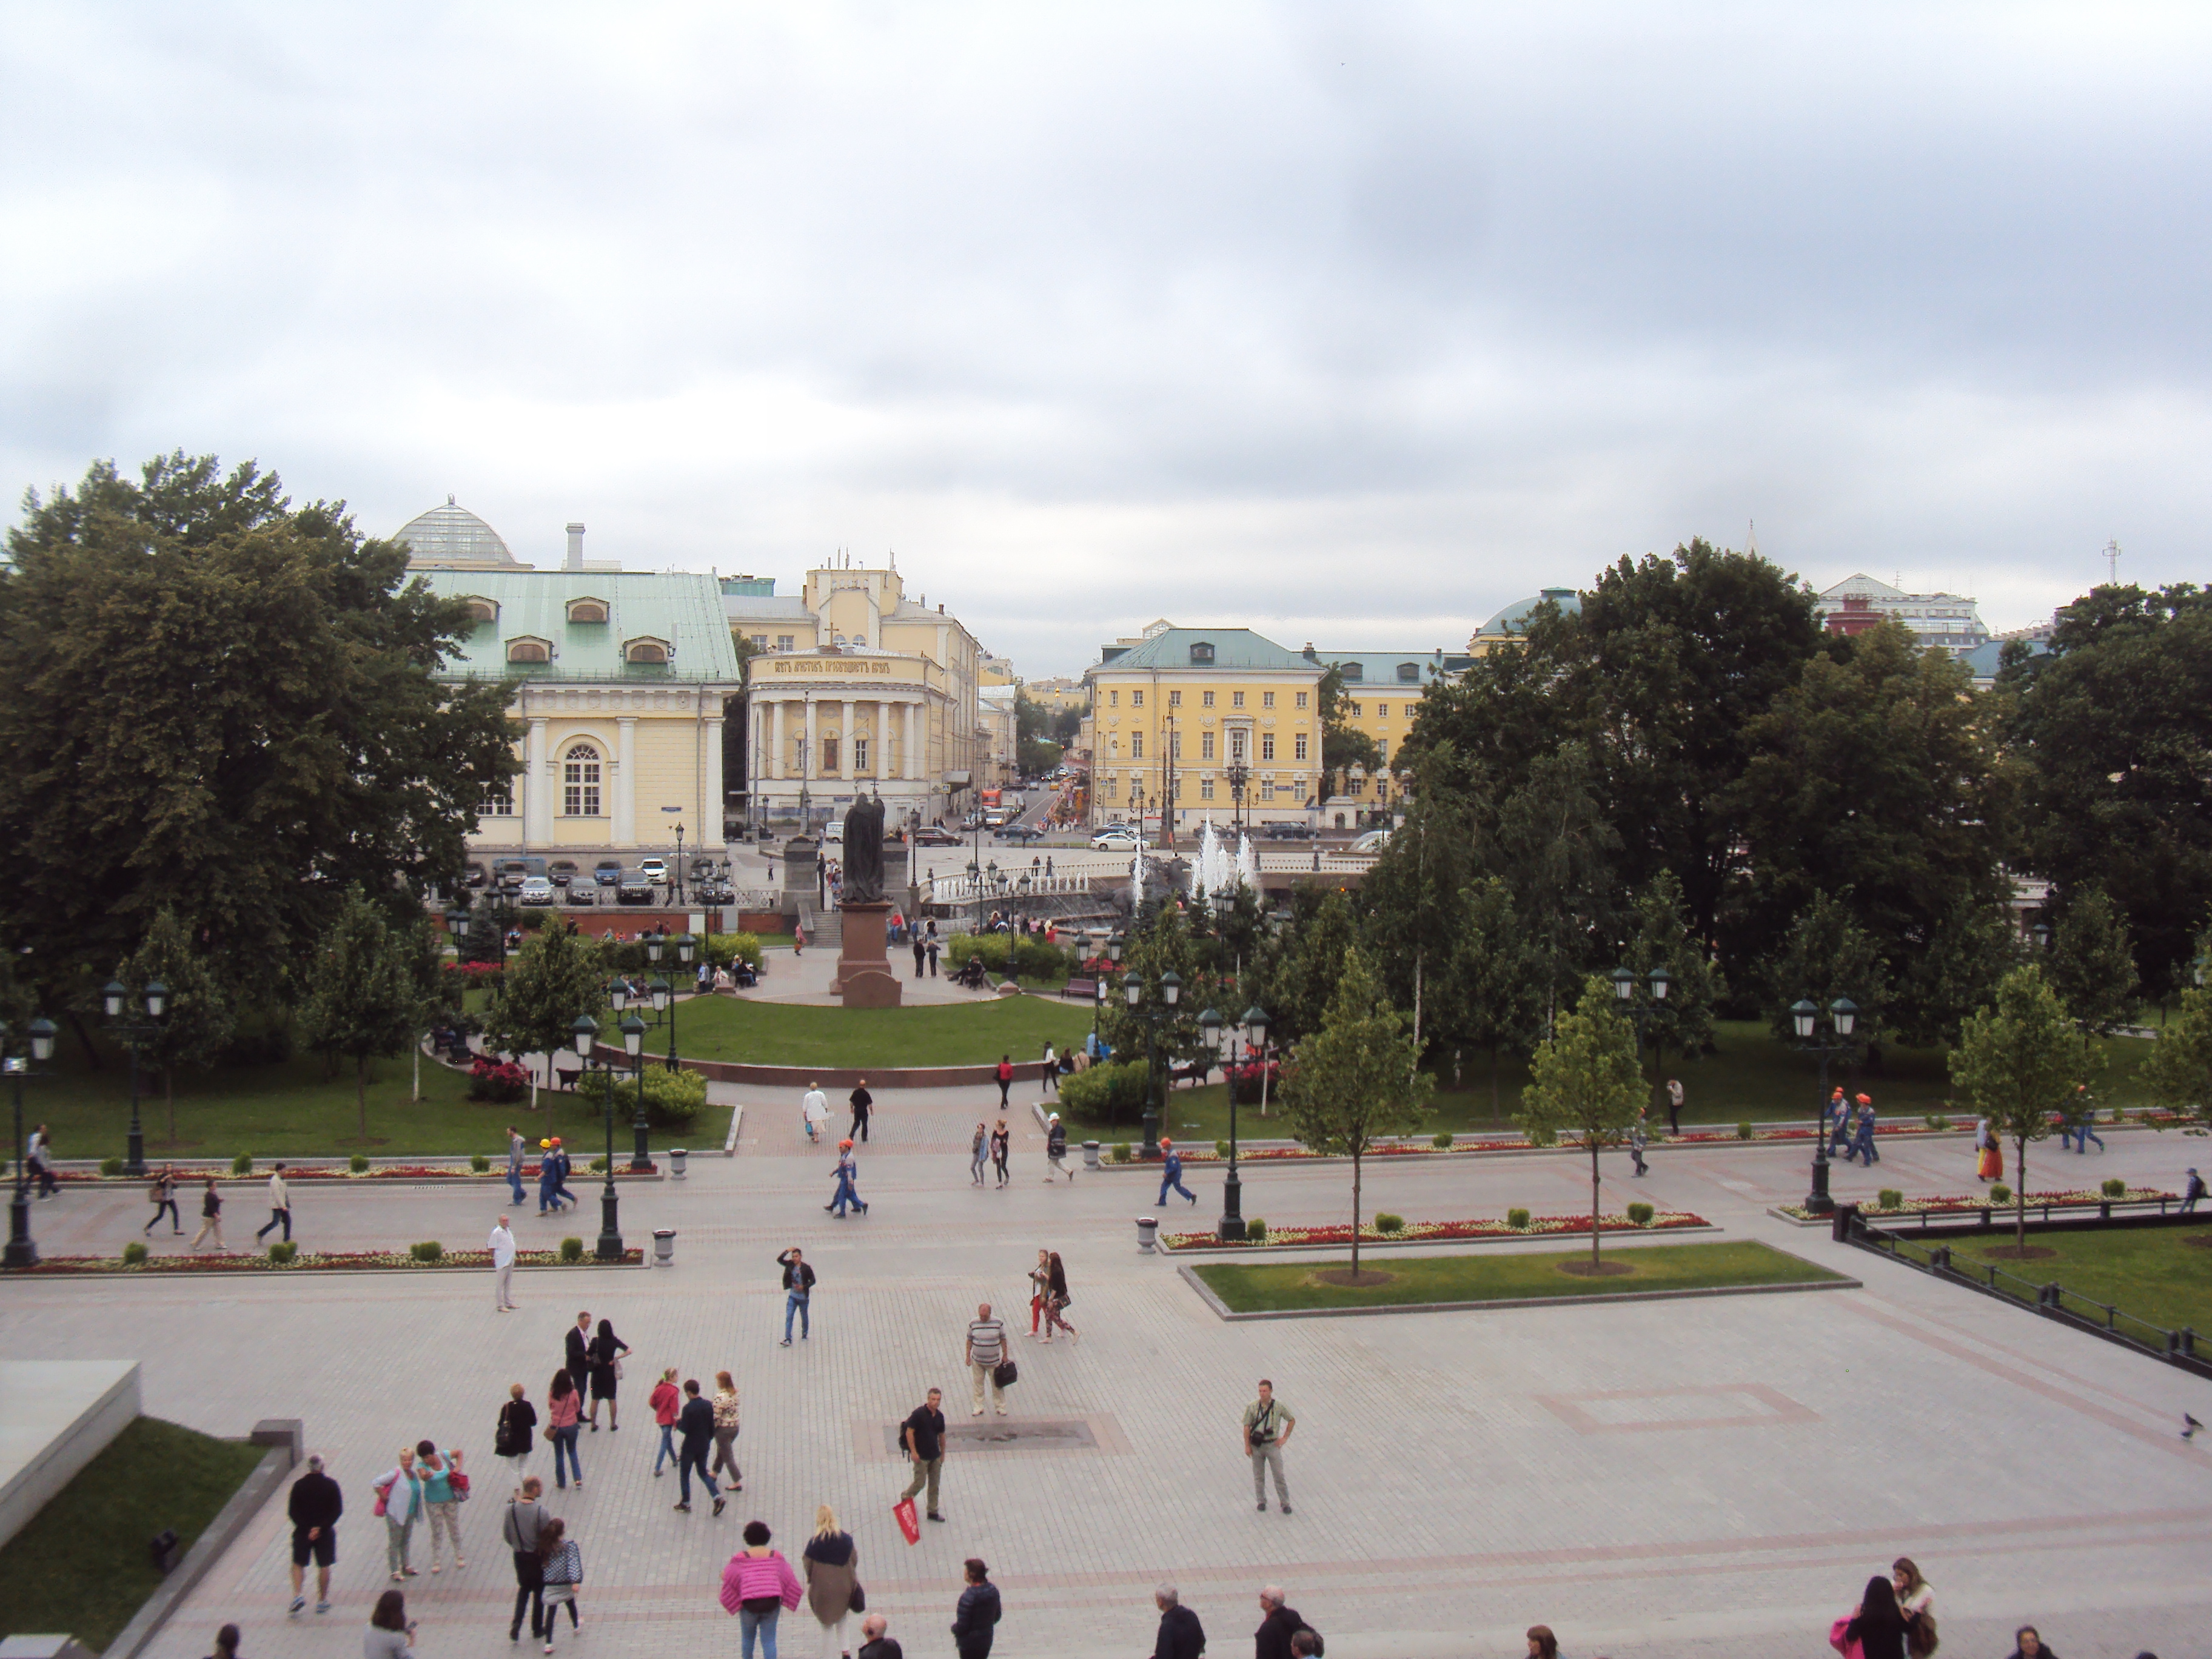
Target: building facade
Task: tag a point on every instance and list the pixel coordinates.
(853, 687)
(1858, 603)
(1381, 690)
(1512, 622)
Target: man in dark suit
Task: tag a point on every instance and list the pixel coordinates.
(579, 1362)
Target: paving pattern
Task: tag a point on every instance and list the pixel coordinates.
(1713, 1478)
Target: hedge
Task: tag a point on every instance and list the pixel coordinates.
(673, 1100)
(1103, 1092)
(1032, 957)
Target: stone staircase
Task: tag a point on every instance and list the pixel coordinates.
(825, 929)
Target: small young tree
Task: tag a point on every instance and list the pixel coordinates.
(2019, 1064)
(201, 1016)
(557, 977)
(2179, 1074)
(363, 1000)
(1355, 1078)
(1585, 1083)
(2092, 963)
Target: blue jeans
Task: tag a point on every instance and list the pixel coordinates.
(847, 1194)
(565, 1438)
(1176, 1181)
(685, 1463)
(795, 1302)
(749, 1621)
(2089, 1134)
(667, 1446)
(514, 1181)
(1865, 1143)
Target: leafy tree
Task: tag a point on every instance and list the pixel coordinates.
(1355, 1078)
(1955, 971)
(1553, 844)
(1343, 746)
(1299, 977)
(200, 1015)
(218, 703)
(2179, 1073)
(2020, 1064)
(558, 977)
(2092, 962)
(1585, 1083)
(1827, 955)
(364, 1000)
(1410, 894)
(2115, 724)
(1493, 996)
(1683, 1020)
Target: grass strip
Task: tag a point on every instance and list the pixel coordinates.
(937, 1033)
(2156, 1274)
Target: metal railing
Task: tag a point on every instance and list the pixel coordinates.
(962, 890)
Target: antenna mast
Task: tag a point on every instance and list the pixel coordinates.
(2111, 558)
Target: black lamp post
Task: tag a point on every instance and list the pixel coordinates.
(1624, 991)
(115, 999)
(1844, 1016)
(1222, 1041)
(1132, 988)
(21, 1252)
(686, 948)
(585, 1033)
(679, 863)
(1238, 775)
(618, 998)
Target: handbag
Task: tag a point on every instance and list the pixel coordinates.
(1005, 1374)
(909, 1524)
(457, 1484)
(383, 1497)
(1848, 1647)
(1920, 1637)
(618, 1369)
(860, 1602)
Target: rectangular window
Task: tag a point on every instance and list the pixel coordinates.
(1113, 787)
(1178, 786)
(1113, 699)
(860, 753)
(501, 805)
(1206, 788)
(1205, 745)
(1266, 789)
(1267, 700)
(579, 785)
(1236, 743)
(1302, 699)
(1358, 713)
(1381, 752)
(1174, 699)
(1136, 745)
(1298, 747)
(1136, 700)
(828, 754)
(1235, 699)
(760, 641)
(1382, 711)
(1266, 745)
(1175, 745)
(783, 641)
(1206, 699)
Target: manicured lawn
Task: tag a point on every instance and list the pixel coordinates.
(944, 1033)
(82, 1565)
(1491, 1278)
(2152, 1272)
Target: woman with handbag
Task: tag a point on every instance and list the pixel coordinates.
(400, 1501)
(1056, 1298)
(563, 1405)
(833, 1584)
(606, 1352)
(563, 1569)
(1875, 1628)
(1990, 1165)
(511, 1438)
(1916, 1600)
(445, 1489)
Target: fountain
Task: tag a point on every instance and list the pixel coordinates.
(1218, 872)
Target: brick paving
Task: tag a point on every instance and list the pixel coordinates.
(1708, 1479)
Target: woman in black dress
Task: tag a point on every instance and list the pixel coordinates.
(605, 1356)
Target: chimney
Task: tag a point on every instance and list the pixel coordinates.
(575, 547)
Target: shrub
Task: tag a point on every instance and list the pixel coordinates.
(1121, 1151)
(1255, 1226)
(1938, 1121)
(1443, 1143)
(673, 1100)
(1743, 1132)
(598, 1166)
(282, 1251)
(134, 1253)
(242, 1164)
(1387, 1223)
(1999, 1193)
(1026, 959)
(1221, 1149)
(111, 1166)
(1517, 1220)
(1103, 1093)
(1245, 1078)
(1641, 1214)
(723, 948)
(572, 1249)
(479, 1162)
(2115, 1187)
(499, 1081)
(358, 1163)
(1889, 1198)
(428, 1250)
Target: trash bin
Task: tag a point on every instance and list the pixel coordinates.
(1148, 1231)
(676, 1157)
(664, 1246)
(1090, 1154)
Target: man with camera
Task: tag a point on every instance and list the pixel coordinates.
(1267, 1431)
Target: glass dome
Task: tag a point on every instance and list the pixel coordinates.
(452, 535)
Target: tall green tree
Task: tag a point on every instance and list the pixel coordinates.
(2092, 962)
(1492, 997)
(2115, 725)
(1343, 746)
(215, 702)
(1824, 956)
(1585, 1083)
(1551, 842)
(1955, 970)
(363, 1001)
(2020, 1064)
(1355, 1078)
(200, 1015)
(1300, 969)
(1683, 1019)
(2178, 1074)
(1410, 894)
(556, 978)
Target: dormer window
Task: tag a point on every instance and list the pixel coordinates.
(656, 652)
(1352, 671)
(1201, 652)
(588, 611)
(482, 609)
(527, 649)
(1409, 673)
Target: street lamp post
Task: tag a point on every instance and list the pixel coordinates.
(114, 998)
(21, 1252)
(679, 862)
(1642, 1012)
(1171, 988)
(1222, 1041)
(1238, 775)
(585, 1037)
(686, 948)
(1843, 1015)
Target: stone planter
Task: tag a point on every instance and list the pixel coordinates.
(1148, 1233)
(676, 1157)
(664, 1247)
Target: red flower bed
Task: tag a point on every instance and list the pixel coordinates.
(1542, 1226)
(334, 1262)
(1970, 1203)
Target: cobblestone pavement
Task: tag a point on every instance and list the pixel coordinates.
(1712, 1477)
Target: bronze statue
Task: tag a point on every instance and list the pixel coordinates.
(864, 852)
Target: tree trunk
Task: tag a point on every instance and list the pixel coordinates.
(1355, 1216)
(361, 1093)
(2020, 1193)
(1593, 1150)
(84, 1039)
(1417, 1007)
(169, 1099)
(416, 1093)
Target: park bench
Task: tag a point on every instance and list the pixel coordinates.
(1085, 988)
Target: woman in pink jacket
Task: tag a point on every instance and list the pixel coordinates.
(758, 1585)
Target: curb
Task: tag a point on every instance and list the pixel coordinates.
(1263, 1251)
(736, 1121)
(1221, 1308)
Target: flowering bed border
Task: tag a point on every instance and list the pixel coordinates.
(329, 1261)
(1196, 1152)
(189, 1175)
(1967, 1204)
(1415, 1232)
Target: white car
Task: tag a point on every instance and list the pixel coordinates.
(833, 833)
(535, 889)
(654, 871)
(1115, 841)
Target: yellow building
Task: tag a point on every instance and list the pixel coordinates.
(1172, 712)
(1381, 690)
(855, 687)
(1059, 696)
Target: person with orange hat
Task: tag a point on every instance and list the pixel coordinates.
(1863, 1138)
(1838, 1133)
(849, 1176)
(1171, 1173)
(548, 1177)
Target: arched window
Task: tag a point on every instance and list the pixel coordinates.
(482, 609)
(528, 651)
(588, 611)
(579, 781)
(652, 651)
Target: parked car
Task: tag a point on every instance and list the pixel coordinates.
(561, 872)
(581, 892)
(537, 891)
(1290, 831)
(715, 889)
(607, 872)
(477, 875)
(833, 833)
(1021, 832)
(655, 871)
(1115, 841)
(930, 836)
(507, 874)
(633, 887)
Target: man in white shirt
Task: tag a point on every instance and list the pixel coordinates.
(280, 1207)
(501, 1243)
(814, 1109)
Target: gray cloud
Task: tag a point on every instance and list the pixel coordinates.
(1353, 324)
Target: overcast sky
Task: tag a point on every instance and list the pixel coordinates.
(1350, 323)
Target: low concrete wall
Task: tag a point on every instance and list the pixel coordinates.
(56, 1416)
(845, 1077)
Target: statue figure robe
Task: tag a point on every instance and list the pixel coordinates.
(864, 852)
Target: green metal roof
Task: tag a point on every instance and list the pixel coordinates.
(1233, 648)
(1385, 670)
(683, 610)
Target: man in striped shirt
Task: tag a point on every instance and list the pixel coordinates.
(987, 1348)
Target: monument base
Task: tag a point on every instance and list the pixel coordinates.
(864, 971)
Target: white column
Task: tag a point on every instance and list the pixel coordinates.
(912, 757)
(537, 787)
(625, 781)
(845, 760)
(882, 740)
(807, 760)
(775, 768)
(711, 809)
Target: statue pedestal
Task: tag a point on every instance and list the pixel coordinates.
(864, 971)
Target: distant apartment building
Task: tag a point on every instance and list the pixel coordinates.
(1860, 602)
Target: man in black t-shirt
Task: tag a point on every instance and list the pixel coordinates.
(861, 1101)
(922, 1434)
(314, 1510)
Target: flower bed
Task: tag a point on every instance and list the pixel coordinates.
(331, 1261)
(188, 1175)
(1542, 1226)
(1970, 1204)
(1492, 1141)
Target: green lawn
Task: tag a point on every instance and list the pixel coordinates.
(2152, 1272)
(82, 1565)
(942, 1034)
(1752, 1077)
(1493, 1278)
